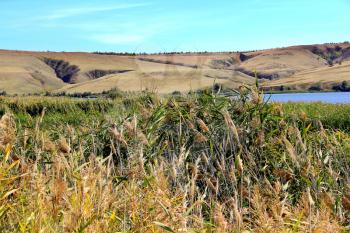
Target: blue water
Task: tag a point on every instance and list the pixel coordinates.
(326, 97)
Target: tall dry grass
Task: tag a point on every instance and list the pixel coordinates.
(200, 163)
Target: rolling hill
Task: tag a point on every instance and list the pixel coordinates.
(26, 74)
(296, 68)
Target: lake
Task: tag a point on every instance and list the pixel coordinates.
(326, 97)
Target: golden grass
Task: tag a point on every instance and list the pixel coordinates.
(150, 164)
(326, 76)
(24, 74)
(297, 67)
(172, 79)
(284, 62)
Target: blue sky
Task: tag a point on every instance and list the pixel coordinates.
(179, 25)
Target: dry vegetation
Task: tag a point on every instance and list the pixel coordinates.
(26, 74)
(325, 76)
(143, 163)
(296, 68)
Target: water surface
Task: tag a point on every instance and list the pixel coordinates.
(326, 97)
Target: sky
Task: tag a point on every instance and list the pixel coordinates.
(166, 26)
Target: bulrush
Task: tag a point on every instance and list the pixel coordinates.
(239, 165)
(49, 146)
(131, 127)
(219, 218)
(117, 135)
(256, 97)
(291, 151)
(200, 138)
(42, 114)
(211, 186)
(63, 145)
(238, 218)
(346, 202)
(133, 131)
(190, 124)
(231, 126)
(25, 138)
(256, 170)
(142, 138)
(303, 116)
(7, 131)
(255, 123)
(203, 126)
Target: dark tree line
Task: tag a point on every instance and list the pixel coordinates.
(343, 87)
(95, 74)
(65, 71)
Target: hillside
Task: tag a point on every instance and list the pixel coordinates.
(297, 67)
(24, 74)
(325, 77)
(283, 63)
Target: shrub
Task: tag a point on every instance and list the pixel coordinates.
(176, 93)
(65, 71)
(217, 87)
(316, 87)
(113, 93)
(95, 74)
(344, 87)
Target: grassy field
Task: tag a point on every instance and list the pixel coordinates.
(198, 163)
(332, 116)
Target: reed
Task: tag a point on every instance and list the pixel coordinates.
(147, 163)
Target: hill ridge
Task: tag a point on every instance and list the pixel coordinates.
(23, 72)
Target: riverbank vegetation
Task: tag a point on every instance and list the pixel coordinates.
(194, 163)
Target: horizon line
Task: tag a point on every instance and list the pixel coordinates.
(173, 52)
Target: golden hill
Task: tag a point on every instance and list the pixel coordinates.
(323, 76)
(26, 74)
(297, 67)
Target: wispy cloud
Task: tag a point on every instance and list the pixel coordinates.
(72, 12)
(129, 33)
(116, 39)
